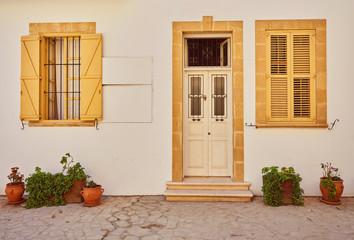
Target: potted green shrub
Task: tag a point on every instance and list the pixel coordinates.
(331, 185)
(15, 189)
(282, 187)
(76, 175)
(92, 194)
(47, 189)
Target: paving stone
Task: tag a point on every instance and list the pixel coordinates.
(123, 224)
(152, 237)
(151, 218)
(138, 231)
(131, 238)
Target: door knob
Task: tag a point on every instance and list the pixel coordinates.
(205, 97)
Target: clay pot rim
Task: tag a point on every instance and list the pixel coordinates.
(332, 180)
(14, 184)
(98, 186)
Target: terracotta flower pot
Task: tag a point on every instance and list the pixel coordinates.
(92, 196)
(14, 193)
(336, 198)
(74, 195)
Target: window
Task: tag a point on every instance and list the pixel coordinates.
(291, 73)
(207, 52)
(62, 67)
(61, 77)
(290, 76)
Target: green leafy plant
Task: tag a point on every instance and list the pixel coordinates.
(330, 174)
(272, 187)
(75, 172)
(91, 184)
(47, 189)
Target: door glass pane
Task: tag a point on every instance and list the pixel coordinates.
(195, 96)
(219, 96)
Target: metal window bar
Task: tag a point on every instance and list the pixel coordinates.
(219, 96)
(72, 63)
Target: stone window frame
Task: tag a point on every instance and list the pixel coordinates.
(319, 25)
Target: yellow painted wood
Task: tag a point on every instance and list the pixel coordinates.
(290, 91)
(91, 76)
(72, 123)
(30, 77)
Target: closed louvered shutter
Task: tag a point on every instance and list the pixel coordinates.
(303, 76)
(278, 79)
(290, 76)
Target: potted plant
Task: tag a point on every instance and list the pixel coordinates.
(77, 176)
(282, 187)
(15, 189)
(46, 189)
(92, 194)
(331, 184)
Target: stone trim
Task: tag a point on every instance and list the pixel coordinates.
(319, 25)
(68, 27)
(207, 26)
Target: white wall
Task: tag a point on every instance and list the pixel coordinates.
(136, 158)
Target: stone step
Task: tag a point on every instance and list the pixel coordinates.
(208, 195)
(208, 184)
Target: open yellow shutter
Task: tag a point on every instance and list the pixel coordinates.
(277, 77)
(30, 75)
(91, 76)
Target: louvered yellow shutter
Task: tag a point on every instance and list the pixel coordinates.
(30, 74)
(303, 76)
(290, 76)
(277, 77)
(91, 76)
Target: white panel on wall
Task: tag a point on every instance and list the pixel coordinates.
(127, 103)
(126, 70)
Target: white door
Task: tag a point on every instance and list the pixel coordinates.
(207, 123)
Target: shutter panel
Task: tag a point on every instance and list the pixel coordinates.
(303, 76)
(91, 76)
(30, 77)
(277, 77)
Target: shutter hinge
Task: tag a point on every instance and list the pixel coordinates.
(267, 75)
(314, 76)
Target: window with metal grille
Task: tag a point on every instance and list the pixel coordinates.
(290, 76)
(207, 52)
(63, 67)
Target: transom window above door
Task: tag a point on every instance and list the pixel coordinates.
(200, 51)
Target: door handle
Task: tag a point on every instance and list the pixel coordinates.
(205, 97)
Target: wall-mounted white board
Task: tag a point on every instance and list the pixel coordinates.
(127, 103)
(126, 70)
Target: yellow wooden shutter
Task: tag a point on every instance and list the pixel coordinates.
(277, 77)
(30, 75)
(290, 76)
(303, 76)
(91, 76)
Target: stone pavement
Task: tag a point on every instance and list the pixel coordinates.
(152, 218)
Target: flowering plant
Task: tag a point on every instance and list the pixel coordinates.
(15, 176)
(330, 172)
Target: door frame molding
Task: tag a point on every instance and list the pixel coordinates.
(207, 26)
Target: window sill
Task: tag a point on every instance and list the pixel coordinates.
(292, 125)
(62, 124)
